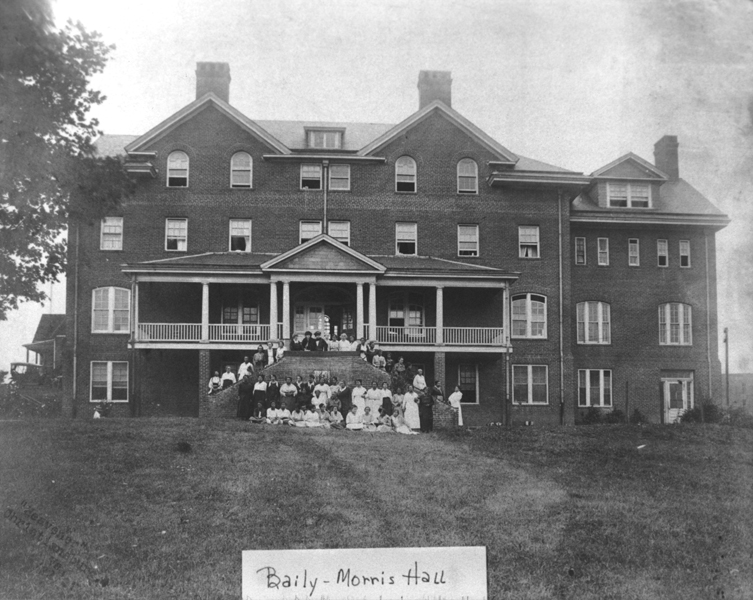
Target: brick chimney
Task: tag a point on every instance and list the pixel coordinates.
(665, 156)
(213, 77)
(434, 85)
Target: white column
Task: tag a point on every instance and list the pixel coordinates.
(359, 310)
(286, 312)
(135, 301)
(372, 311)
(204, 312)
(440, 315)
(506, 323)
(272, 310)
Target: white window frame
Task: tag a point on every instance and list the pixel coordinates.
(584, 377)
(634, 252)
(117, 224)
(474, 239)
(584, 313)
(466, 176)
(536, 246)
(398, 239)
(337, 178)
(300, 230)
(684, 329)
(529, 299)
(311, 165)
(332, 139)
(111, 310)
(401, 303)
(109, 364)
(580, 244)
(173, 162)
(230, 235)
(631, 196)
(168, 220)
(343, 239)
(602, 250)
(684, 252)
(239, 307)
(529, 384)
(478, 387)
(404, 171)
(243, 169)
(662, 251)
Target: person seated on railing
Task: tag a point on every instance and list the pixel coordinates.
(246, 365)
(369, 420)
(298, 416)
(374, 398)
(378, 361)
(295, 343)
(228, 377)
(358, 395)
(259, 414)
(260, 359)
(274, 415)
(320, 343)
(215, 383)
(386, 399)
(280, 351)
(354, 421)
(308, 343)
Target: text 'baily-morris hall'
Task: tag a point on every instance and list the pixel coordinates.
(540, 291)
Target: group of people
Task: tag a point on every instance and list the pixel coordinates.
(331, 403)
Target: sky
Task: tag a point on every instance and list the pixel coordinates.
(576, 83)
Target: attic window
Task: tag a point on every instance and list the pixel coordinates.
(629, 195)
(318, 138)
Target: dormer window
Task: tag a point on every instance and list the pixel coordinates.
(629, 195)
(321, 138)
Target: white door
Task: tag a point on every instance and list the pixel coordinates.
(678, 397)
(309, 317)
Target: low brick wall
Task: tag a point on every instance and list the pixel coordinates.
(445, 417)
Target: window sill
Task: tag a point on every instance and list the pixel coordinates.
(593, 343)
(530, 403)
(399, 192)
(531, 339)
(111, 250)
(110, 401)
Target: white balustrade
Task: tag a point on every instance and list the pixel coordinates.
(168, 332)
(406, 335)
(238, 333)
(474, 336)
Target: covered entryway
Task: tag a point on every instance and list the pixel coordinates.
(677, 392)
(326, 308)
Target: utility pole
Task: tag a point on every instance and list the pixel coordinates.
(726, 363)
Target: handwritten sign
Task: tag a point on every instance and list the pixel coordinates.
(457, 573)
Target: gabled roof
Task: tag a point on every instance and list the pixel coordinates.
(188, 111)
(642, 164)
(454, 117)
(50, 326)
(287, 260)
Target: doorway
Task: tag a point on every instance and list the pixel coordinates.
(678, 397)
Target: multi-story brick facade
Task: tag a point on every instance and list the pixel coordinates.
(445, 247)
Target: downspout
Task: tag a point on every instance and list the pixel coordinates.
(325, 187)
(561, 311)
(708, 314)
(75, 325)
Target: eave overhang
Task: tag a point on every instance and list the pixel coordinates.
(634, 218)
(533, 179)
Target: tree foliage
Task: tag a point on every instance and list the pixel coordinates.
(47, 158)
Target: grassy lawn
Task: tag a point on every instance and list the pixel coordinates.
(564, 513)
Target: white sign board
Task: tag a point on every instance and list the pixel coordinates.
(455, 573)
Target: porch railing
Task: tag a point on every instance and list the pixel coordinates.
(168, 332)
(406, 335)
(474, 336)
(238, 333)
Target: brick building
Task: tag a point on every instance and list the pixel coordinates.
(541, 291)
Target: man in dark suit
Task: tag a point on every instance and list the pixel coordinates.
(345, 395)
(321, 343)
(308, 342)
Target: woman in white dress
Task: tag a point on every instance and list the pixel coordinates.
(410, 406)
(455, 399)
(399, 424)
(311, 418)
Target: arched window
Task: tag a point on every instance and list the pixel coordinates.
(111, 310)
(467, 176)
(529, 316)
(594, 323)
(177, 169)
(675, 324)
(406, 310)
(405, 174)
(241, 168)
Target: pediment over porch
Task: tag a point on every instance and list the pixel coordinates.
(323, 254)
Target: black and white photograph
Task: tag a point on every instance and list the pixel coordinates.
(376, 300)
